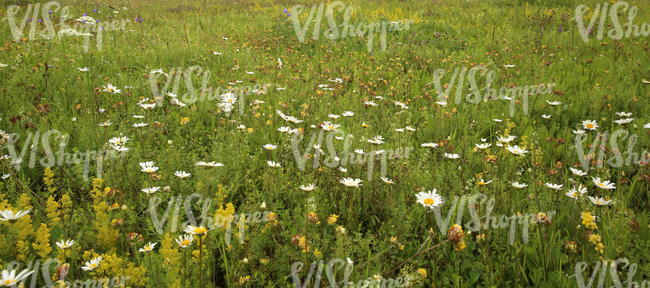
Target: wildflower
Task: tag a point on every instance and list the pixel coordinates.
(312, 217)
(65, 244)
(307, 188)
(600, 201)
(577, 172)
(182, 174)
(451, 156)
(270, 146)
(198, 230)
(8, 215)
(588, 220)
(148, 247)
(430, 145)
(341, 231)
(483, 146)
(603, 185)
(506, 139)
(518, 185)
(139, 125)
(332, 219)
(623, 121)
(273, 164)
(589, 124)
(554, 103)
(571, 245)
(575, 193)
(150, 190)
(456, 237)
(422, 272)
(243, 280)
(10, 278)
(112, 89)
(553, 186)
(482, 183)
(429, 199)
(351, 182)
(579, 132)
(600, 248)
(516, 150)
(105, 124)
(386, 180)
(92, 264)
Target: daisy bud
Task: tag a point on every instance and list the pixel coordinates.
(245, 261)
(166, 188)
(169, 142)
(263, 206)
(124, 207)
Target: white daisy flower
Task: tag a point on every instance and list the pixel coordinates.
(351, 182)
(429, 199)
(182, 174)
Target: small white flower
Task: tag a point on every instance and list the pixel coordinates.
(182, 174)
(518, 185)
(553, 186)
(554, 103)
(273, 164)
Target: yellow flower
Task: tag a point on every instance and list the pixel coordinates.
(600, 247)
(250, 130)
(422, 272)
(588, 220)
(184, 120)
(332, 219)
(594, 238)
(42, 243)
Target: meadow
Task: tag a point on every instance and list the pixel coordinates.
(463, 143)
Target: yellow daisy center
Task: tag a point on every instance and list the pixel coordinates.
(92, 266)
(9, 282)
(481, 183)
(590, 125)
(601, 184)
(575, 194)
(186, 243)
(428, 201)
(515, 151)
(200, 230)
(331, 127)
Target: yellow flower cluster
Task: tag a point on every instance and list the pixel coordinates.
(49, 180)
(170, 254)
(222, 214)
(52, 211)
(106, 236)
(588, 221)
(457, 237)
(42, 243)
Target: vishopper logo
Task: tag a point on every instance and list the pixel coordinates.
(581, 267)
(475, 224)
(217, 221)
(615, 33)
(490, 93)
(85, 23)
(49, 160)
(331, 275)
(191, 95)
(346, 29)
(615, 161)
(346, 156)
(60, 273)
